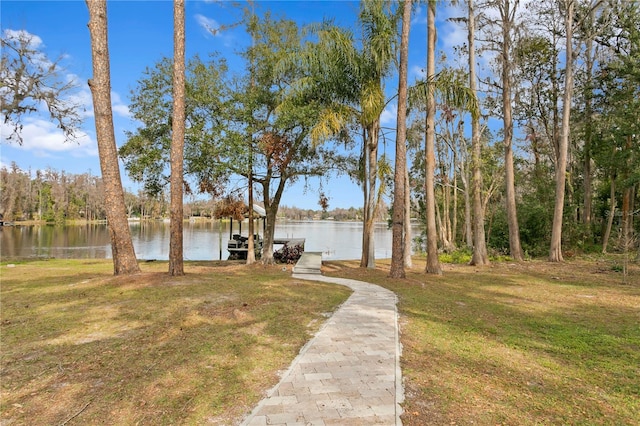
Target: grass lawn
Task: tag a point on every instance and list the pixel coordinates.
(80, 346)
(517, 344)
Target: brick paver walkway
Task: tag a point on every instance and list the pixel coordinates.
(349, 373)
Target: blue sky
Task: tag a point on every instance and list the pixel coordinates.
(140, 33)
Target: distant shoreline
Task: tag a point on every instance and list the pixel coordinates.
(190, 219)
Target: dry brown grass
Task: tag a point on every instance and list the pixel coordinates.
(80, 346)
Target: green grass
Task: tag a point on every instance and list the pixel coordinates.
(514, 343)
(520, 344)
(150, 348)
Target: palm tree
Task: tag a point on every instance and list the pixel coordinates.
(124, 257)
(351, 82)
(378, 53)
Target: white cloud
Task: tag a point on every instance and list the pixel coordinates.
(44, 139)
(121, 110)
(119, 107)
(35, 42)
(84, 100)
(37, 58)
(451, 34)
(389, 116)
(210, 25)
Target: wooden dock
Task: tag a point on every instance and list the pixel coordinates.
(291, 242)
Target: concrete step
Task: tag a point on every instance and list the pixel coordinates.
(309, 263)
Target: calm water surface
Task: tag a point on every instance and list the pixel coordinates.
(202, 240)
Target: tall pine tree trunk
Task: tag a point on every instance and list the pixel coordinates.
(176, 253)
(433, 263)
(480, 255)
(555, 251)
(508, 17)
(397, 250)
(588, 136)
(124, 257)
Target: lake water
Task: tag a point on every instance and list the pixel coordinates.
(202, 240)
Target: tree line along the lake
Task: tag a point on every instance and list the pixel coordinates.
(560, 171)
(58, 197)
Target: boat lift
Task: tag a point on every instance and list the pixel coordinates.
(238, 244)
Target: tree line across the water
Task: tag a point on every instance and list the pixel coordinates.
(55, 196)
(560, 171)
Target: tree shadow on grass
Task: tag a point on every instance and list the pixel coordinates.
(141, 349)
(493, 346)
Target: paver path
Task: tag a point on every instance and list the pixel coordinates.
(349, 373)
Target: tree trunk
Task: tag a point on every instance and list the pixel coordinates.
(454, 226)
(251, 244)
(251, 248)
(399, 197)
(176, 253)
(270, 226)
(510, 189)
(368, 248)
(271, 207)
(555, 251)
(124, 257)
(612, 212)
(626, 219)
(468, 230)
(480, 255)
(627, 213)
(588, 111)
(433, 263)
(408, 261)
(441, 231)
(364, 259)
(442, 217)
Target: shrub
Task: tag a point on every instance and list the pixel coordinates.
(458, 256)
(288, 254)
